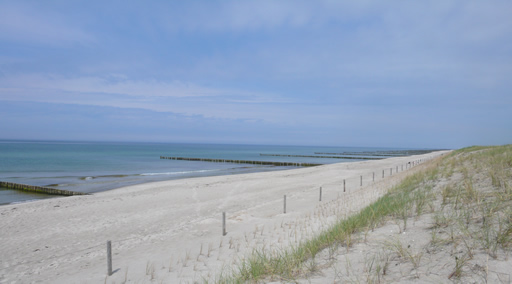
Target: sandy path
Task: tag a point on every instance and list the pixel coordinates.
(172, 231)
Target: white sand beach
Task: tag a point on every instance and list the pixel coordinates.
(171, 232)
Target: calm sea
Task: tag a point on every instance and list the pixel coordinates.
(98, 166)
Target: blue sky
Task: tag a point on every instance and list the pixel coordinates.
(432, 74)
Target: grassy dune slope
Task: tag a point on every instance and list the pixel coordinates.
(450, 222)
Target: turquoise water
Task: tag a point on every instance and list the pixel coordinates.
(98, 166)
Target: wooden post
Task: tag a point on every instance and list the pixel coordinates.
(390, 171)
(361, 184)
(224, 223)
(284, 204)
(382, 173)
(397, 169)
(320, 194)
(344, 186)
(373, 176)
(109, 258)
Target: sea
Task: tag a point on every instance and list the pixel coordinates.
(98, 166)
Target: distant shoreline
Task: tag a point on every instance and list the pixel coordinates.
(92, 167)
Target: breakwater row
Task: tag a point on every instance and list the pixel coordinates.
(327, 157)
(393, 153)
(39, 189)
(281, 164)
(360, 154)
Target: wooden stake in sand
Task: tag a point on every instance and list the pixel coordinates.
(343, 185)
(361, 181)
(382, 173)
(373, 176)
(284, 210)
(320, 194)
(224, 223)
(109, 258)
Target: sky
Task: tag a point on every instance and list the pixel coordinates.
(418, 74)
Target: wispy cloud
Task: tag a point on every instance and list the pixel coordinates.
(260, 15)
(239, 16)
(115, 84)
(24, 23)
(285, 66)
(119, 91)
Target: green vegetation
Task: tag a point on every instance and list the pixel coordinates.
(467, 193)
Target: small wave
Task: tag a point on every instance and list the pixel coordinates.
(87, 178)
(59, 184)
(103, 176)
(115, 176)
(177, 173)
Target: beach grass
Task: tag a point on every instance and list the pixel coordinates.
(473, 206)
(288, 264)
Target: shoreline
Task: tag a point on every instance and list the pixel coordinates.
(121, 183)
(171, 230)
(97, 166)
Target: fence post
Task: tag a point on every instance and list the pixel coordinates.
(224, 223)
(320, 194)
(343, 185)
(361, 184)
(284, 210)
(109, 258)
(382, 173)
(373, 176)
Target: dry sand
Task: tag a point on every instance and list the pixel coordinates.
(445, 240)
(171, 232)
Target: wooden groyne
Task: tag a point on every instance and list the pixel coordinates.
(360, 154)
(326, 157)
(392, 153)
(39, 189)
(280, 164)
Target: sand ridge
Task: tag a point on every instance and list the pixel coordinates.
(171, 231)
